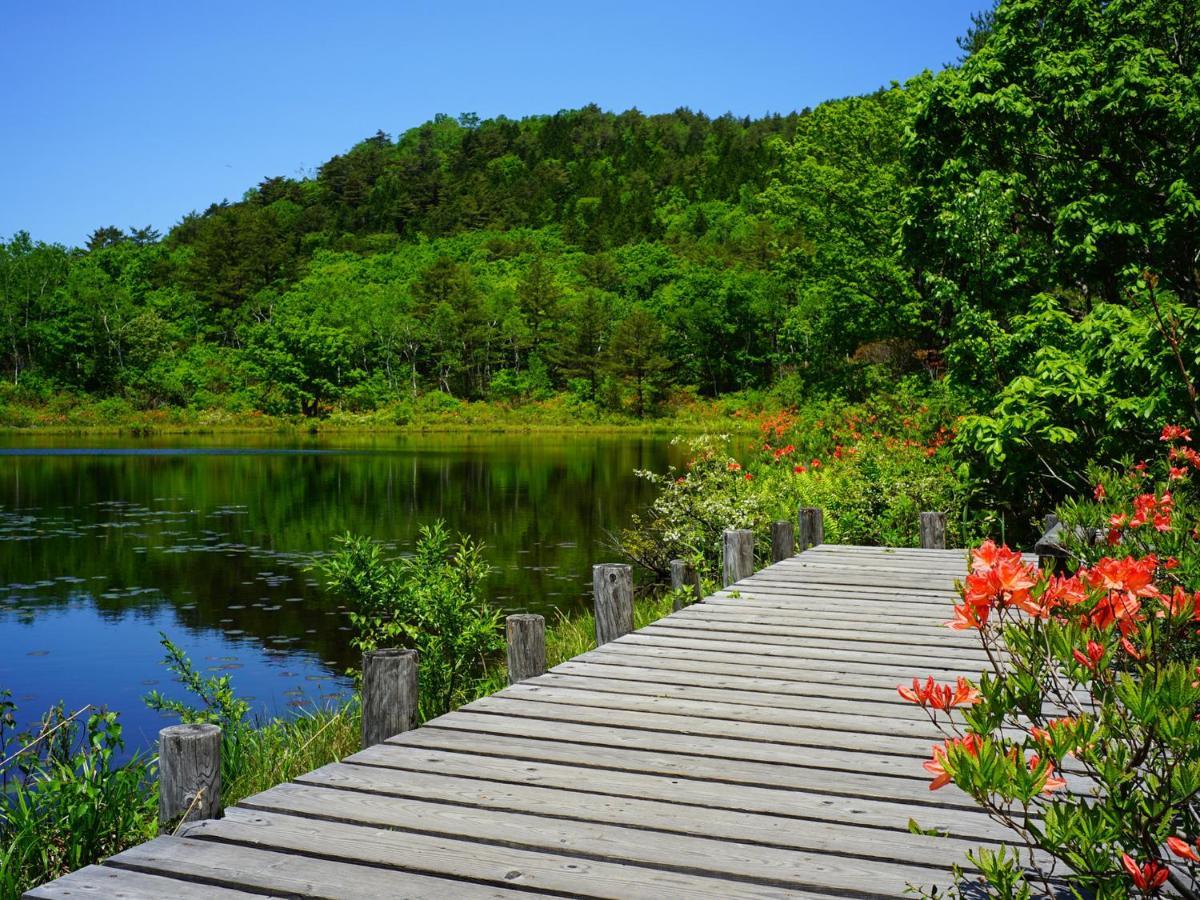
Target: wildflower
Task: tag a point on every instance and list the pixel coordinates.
(815, 464)
(1127, 646)
(936, 764)
(940, 696)
(1176, 433)
(800, 469)
(749, 477)
(1053, 782)
(1182, 849)
(734, 467)
(1098, 493)
(1095, 653)
(1150, 876)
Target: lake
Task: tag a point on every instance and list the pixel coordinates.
(105, 543)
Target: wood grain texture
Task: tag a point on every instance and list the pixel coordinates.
(751, 744)
(737, 555)
(189, 774)
(526, 646)
(810, 527)
(389, 694)
(783, 541)
(612, 587)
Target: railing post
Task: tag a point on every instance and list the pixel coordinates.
(683, 575)
(612, 586)
(389, 694)
(811, 522)
(738, 555)
(783, 541)
(933, 530)
(189, 774)
(526, 635)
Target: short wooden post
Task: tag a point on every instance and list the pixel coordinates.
(783, 541)
(811, 527)
(189, 774)
(526, 635)
(389, 694)
(738, 556)
(933, 530)
(683, 576)
(612, 585)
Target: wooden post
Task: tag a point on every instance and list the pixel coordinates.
(389, 694)
(811, 522)
(526, 646)
(189, 774)
(783, 541)
(612, 586)
(683, 576)
(933, 530)
(738, 545)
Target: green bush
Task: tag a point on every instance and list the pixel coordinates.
(64, 804)
(431, 601)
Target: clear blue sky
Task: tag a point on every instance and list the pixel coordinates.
(135, 112)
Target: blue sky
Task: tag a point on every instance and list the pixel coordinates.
(135, 112)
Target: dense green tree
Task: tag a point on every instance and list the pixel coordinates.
(637, 354)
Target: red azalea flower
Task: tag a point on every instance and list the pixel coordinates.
(1182, 849)
(1148, 877)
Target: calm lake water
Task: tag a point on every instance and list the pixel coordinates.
(106, 543)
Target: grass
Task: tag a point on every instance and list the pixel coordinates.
(70, 414)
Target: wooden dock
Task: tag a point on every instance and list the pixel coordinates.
(750, 745)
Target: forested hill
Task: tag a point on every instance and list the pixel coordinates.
(1020, 231)
(615, 256)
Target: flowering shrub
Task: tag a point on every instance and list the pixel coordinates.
(872, 469)
(1082, 738)
(712, 492)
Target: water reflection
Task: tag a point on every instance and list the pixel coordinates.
(104, 543)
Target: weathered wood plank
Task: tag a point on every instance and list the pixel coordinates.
(696, 854)
(491, 863)
(119, 884)
(764, 830)
(896, 662)
(817, 672)
(803, 794)
(290, 874)
(843, 733)
(594, 678)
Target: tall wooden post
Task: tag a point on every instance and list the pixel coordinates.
(389, 694)
(783, 541)
(189, 774)
(933, 530)
(683, 576)
(612, 586)
(526, 635)
(738, 545)
(811, 522)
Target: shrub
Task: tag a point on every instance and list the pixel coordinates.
(63, 802)
(432, 602)
(1093, 673)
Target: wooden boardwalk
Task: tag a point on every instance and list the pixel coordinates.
(751, 745)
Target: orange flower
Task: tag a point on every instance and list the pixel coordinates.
(940, 696)
(1182, 849)
(936, 764)
(1148, 877)
(1175, 433)
(1053, 782)
(1095, 653)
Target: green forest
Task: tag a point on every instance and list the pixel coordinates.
(1015, 234)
